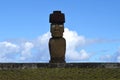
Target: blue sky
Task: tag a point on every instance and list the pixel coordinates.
(94, 25)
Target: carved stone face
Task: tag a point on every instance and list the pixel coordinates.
(57, 30)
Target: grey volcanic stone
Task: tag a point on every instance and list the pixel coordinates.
(7, 66)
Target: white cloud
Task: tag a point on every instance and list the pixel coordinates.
(84, 55)
(106, 58)
(99, 40)
(73, 55)
(26, 52)
(37, 49)
(7, 47)
(7, 51)
(42, 41)
(74, 41)
(115, 57)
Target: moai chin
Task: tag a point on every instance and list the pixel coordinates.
(57, 44)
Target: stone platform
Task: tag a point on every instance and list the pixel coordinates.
(7, 66)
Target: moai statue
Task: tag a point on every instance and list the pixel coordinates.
(57, 44)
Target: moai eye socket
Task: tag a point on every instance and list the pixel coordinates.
(53, 26)
(60, 25)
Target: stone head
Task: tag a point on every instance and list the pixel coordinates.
(57, 20)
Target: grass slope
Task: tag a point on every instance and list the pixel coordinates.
(61, 74)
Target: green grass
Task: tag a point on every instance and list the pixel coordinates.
(61, 74)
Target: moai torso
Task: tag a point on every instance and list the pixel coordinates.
(57, 44)
(57, 50)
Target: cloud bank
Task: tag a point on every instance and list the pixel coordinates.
(37, 50)
(111, 58)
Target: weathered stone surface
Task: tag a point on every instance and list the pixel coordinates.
(7, 66)
(57, 44)
(57, 30)
(57, 17)
(57, 49)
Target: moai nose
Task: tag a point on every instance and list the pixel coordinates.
(56, 27)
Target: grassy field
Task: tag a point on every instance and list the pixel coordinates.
(61, 74)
